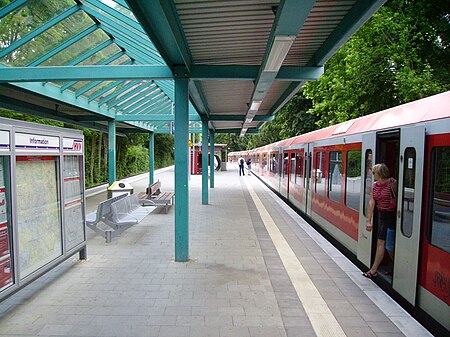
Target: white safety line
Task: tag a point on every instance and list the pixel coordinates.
(322, 319)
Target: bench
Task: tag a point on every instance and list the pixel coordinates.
(154, 197)
(119, 213)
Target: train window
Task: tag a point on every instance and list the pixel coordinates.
(292, 169)
(282, 165)
(274, 163)
(440, 194)
(335, 176)
(409, 174)
(368, 180)
(307, 180)
(299, 170)
(353, 180)
(319, 168)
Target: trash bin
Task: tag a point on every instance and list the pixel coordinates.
(118, 188)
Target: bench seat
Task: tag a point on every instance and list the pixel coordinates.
(118, 213)
(154, 197)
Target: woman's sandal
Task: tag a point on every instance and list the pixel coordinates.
(370, 275)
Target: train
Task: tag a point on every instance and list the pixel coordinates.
(326, 175)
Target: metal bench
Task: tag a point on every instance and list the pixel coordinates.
(119, 213)
(154, 197)
(103, 211)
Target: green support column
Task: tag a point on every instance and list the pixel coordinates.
(181, 170)
(151, 155)
(211, 159)
(111, 152)
(204, 162)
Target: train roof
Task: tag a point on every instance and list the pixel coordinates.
(426, 109)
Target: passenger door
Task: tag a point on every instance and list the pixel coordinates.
(409, 201)
(365, 237)
(308, 149)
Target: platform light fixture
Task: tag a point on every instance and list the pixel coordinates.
(255, 105)
(280, 48)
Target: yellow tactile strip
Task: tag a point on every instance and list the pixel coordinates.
(322, 320)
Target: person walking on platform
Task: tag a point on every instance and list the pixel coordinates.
(249, 165)
(241, 162)
(384, 195)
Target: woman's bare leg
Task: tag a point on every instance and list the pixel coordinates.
(381, 244)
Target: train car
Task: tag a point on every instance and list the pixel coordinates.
(327, 175)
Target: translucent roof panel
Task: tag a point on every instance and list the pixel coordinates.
(102, 55)
(81, 47)
(36, 46)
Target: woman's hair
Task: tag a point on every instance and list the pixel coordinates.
(382, 170)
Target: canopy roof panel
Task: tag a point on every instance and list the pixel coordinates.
(93, 61)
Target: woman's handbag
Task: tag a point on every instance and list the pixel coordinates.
(393, 199)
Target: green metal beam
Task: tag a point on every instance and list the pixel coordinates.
(151, 154)
(53, 93)
(181, 171)
(159, 20)
(111, 152)
(152, 118)
(250, 73)
(211, 159)
(237, 130)
(36, 110)
(205, 187)
(198, 97)
(240, 118)
(84, 73)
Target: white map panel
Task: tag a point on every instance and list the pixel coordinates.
(38, 214)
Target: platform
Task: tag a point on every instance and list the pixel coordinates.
(256, 269)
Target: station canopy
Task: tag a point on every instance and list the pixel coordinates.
(88, 62)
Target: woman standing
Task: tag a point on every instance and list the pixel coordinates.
(384, 195)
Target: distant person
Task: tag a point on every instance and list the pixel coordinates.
(249, 165)
(384, 195)
(241, 162)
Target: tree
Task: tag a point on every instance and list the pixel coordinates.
(401, 54)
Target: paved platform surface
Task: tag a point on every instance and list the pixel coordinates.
(256, 269)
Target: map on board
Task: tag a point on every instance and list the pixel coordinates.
(38, 213)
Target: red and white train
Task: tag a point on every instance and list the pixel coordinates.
(327, 175)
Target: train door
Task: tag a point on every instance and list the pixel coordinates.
(412, 144)
(307, 182)
(365, 237)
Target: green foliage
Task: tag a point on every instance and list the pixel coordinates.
(401, 54)
(354, 163)
(164, 150)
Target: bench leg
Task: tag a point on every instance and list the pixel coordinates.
(167, 208)
(108, 236)
(83, 254)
